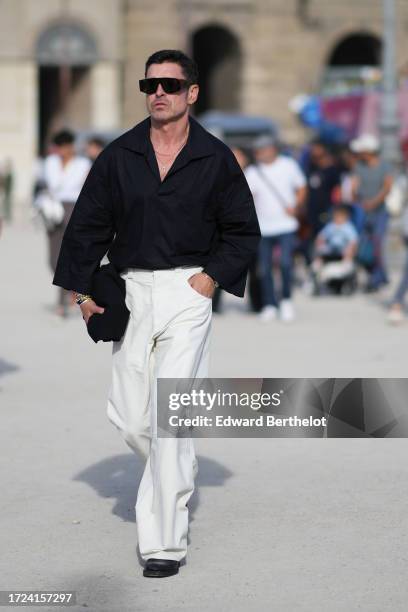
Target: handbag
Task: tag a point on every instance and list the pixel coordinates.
(108, 289)
(50, 209)
(397, 197)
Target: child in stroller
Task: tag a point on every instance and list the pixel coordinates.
(333, 266)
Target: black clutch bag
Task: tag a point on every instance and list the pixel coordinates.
(109, 291)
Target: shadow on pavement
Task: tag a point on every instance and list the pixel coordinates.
(119, 476)
(6, 367)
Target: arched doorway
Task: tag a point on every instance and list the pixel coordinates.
(217, 52)
(353, 63)
(356, 50)
(65, 52)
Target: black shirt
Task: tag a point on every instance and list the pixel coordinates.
(201, 214)
(321, 183)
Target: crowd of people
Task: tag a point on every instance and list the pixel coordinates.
(324, 206)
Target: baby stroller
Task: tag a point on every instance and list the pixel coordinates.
(331, 272)
(335, 276)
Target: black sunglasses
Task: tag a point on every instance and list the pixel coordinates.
(169, 84)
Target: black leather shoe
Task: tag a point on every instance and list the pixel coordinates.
(160, 568)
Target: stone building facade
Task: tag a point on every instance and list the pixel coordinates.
(76, 63)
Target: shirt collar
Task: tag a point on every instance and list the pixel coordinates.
(199, 142)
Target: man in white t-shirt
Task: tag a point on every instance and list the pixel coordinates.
(279, 189)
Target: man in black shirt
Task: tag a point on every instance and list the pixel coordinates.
(170, 205)
(323, 178)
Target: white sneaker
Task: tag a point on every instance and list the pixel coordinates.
(286, 311)
(268, 313)
(395, 315)
(308, 287)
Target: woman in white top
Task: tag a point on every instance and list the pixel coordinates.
(64, 175)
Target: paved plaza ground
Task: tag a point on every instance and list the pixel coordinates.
(288, 525)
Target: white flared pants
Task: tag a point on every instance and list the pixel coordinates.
(168, 336)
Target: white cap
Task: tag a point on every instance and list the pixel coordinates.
(365, 143)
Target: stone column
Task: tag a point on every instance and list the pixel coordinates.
(105, 96)
(389, 122)
(18, 129)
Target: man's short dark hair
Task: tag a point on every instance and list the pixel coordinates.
(320, 143)
(188, 66)
(343, 207)
(96, 140)
(63, 137)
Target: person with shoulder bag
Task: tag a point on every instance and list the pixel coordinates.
(279, 189)
(64, 174)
